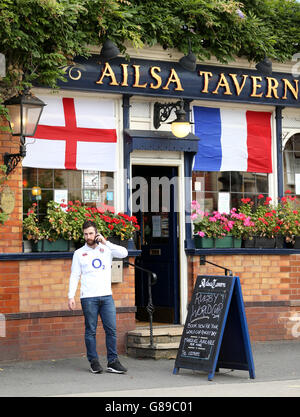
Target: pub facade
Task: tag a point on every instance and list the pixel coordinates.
(243, 142)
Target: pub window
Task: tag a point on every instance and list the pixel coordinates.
(291, 165)
(89, 187)
(222, 191)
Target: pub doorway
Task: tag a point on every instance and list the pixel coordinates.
(154, 203)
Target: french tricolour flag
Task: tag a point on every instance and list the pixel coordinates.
(74, 133)
(232, 140)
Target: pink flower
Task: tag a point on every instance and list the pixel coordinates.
(248, 222)
(201, 234)
(230, 224)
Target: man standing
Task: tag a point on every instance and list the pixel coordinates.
(93, 263)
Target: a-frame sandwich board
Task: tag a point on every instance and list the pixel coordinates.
(216, 334)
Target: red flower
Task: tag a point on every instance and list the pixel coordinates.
(245, 200)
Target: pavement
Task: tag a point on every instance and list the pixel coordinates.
(277, 369)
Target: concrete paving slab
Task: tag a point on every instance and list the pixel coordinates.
(277, 368)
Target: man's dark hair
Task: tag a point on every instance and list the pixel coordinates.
(89, 223)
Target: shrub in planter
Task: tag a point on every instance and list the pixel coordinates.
(64, 221)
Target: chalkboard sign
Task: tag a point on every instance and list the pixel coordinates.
(215, 333)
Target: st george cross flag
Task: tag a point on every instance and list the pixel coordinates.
(232, 140)
(74, 133)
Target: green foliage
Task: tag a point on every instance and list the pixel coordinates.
(65, 221)
(40, 37)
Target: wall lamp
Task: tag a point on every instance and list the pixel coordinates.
(265, 66)
(180, 126)
(109, 50)
(188, 62)
(24, 112)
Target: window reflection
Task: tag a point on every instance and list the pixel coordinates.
(238, 185)
(90, 187)
(291, 165)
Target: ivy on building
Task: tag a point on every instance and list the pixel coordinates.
(40, 37)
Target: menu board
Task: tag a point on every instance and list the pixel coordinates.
(203, 324)
(206, 342)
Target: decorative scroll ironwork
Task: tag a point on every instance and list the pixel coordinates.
(162, 112)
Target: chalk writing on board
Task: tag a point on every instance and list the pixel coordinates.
(202, 327)
(206, 341)
(212, 283)
(207, 305)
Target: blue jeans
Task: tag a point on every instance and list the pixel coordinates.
(105, 307)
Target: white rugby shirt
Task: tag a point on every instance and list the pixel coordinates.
(94, 268)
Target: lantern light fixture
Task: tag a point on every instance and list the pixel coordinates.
(188, 62)
(181, 126)
(264, 66)
(109, 50)
(24, 112)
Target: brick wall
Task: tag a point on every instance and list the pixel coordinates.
(263, 277)
(9, 287)
(38, 325)
(44, 286)
(38, 337)
(11, 231)
(270, 287)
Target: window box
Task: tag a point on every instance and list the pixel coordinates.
(44, 245)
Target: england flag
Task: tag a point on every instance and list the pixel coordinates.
(74, 133)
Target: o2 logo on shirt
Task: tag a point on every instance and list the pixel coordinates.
(97, 263)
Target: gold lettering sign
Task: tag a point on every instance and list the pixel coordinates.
(108, 72)
(206, 75)
(255, 86)
(153, 73)
(272, 87)
(137, 77)
(238, 87)
(173, 78)
(223, 83)
(288, 85)
(125, 75)
(231, 84)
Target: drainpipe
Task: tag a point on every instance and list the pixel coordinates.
(279, 117)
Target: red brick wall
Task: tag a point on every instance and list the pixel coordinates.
(9, 287)
(273, 322)
(38, 325)
(263, 277)
(56, 337)
(44, 285)
(11, 231)
(270, 287)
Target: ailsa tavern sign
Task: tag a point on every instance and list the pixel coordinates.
(168, 79)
